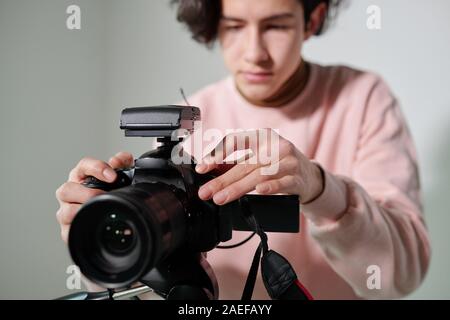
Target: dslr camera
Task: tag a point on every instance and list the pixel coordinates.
(151, 227)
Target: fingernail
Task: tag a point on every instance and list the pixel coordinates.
(209, 160)
(109, 174)
(221, 197)
(204, 193)
(200, 168)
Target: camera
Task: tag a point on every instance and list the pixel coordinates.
(151, 227)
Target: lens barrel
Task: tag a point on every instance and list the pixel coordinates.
(118, 237)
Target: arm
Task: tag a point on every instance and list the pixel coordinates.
(379, 211)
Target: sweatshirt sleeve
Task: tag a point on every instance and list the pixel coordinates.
(380, 224)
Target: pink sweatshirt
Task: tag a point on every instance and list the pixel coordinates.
(349, 122)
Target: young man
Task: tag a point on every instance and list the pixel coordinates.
(344, 148)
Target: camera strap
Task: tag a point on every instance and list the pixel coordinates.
(278, 276)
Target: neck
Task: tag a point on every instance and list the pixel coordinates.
(290, 90)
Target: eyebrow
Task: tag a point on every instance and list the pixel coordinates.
(270, 18)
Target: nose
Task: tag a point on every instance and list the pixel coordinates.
(256, 51)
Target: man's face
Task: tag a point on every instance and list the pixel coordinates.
(261, 41)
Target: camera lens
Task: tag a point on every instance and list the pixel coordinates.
(116, 235)
(119, 236)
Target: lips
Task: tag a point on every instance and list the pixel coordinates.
(256, 77)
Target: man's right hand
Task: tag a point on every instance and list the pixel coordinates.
(72, 194)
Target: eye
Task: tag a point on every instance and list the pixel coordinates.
(233, 27)
(277, 27)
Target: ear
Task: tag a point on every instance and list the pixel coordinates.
(316, 20)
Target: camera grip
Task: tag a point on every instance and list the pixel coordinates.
(124, 178)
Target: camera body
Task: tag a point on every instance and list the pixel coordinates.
(151, 225)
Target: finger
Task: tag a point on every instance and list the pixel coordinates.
(122, 160)
(65, 233)
(67, 213)
(208, 164)
(236, 173)
(286, 184)
(265, 144)
(239, 188)
(72, 192)
(92, 167)
(228, 145)
(287, 166)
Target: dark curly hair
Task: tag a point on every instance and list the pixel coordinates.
(202, 16)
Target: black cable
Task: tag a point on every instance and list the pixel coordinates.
(232, 246)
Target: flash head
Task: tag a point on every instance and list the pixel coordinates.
(160, 121)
